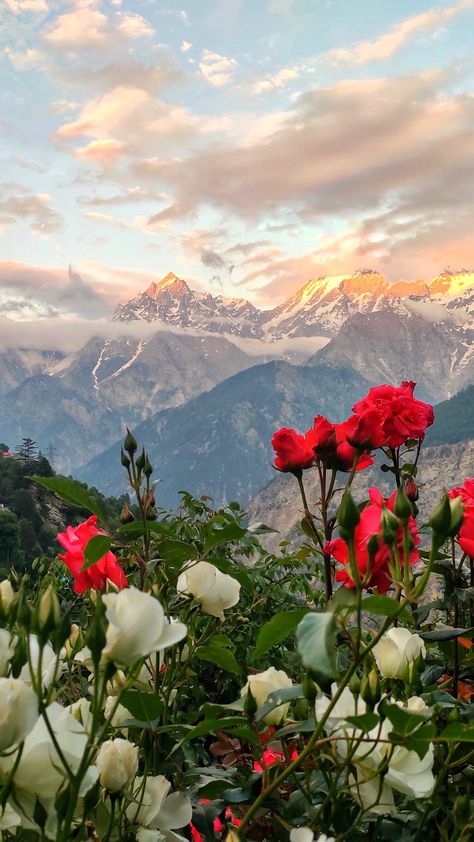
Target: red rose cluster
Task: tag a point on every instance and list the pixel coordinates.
(387, 416)
(74, 541)
(466, 533)
(373, 567)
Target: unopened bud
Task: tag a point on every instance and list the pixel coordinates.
(402, 508)
(95, 638)
(457, 516)
(411, 490)
(141, 461)
(370, 688)
(440, 520)
(390, 526)
(73, 641)
(124, 459)
(130, 443)
(310, 689)
(23, 612)
(49, 613)
(126, 516)
(372, 546)
(354, 685)
(348, 515)
(250, 705)
(7, 595)
(148, 469)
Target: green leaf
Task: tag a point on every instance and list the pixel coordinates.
(260, 529)
(229, 533)
(366, 721)
(279, 697)
(71, 492)
(403, 720)
(210, 726)
(316, 639)
(144, 707)
(176, 552)
(303, 727)
(220, 657)
(136, 528)
(238, 573)
(95, 549)
(342, 598)
(447, 634)
(421, 739)
(385, 606)
(458, 732)
(276, 630)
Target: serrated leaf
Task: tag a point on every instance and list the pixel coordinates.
(403, 720)
(276, 630)
(316, 641)
(219, 656)
(458, 732)
(421, 739)
(365, 722)
(95, 549)
(176, 552)
(210, 726)
(229, 533)
(385, 606)
(71, 492)
(144, 707)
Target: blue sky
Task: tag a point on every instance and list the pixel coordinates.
(246, 145)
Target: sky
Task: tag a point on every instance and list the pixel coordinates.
(246, 145)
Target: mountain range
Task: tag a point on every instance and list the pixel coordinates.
(205, 379)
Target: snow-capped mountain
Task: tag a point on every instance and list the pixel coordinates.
(171, 300)
(319, 308)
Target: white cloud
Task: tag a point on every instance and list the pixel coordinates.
(277, 80)
(19, 6)
(386, 45)
(185, 46)
(217, 69)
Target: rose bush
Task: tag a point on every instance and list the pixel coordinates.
(222, 692)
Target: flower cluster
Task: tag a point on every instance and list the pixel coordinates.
(388, 416)
(75, 540)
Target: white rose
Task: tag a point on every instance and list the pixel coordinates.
(81, 710)
(305, 834)
(7, 594)
(137, 627)
(120, 714)
(264, 683)
(117, 762)
(40, 770)
(18, 711)
(48, 662)
(346, 705)
(214, 590)
(396, 650)
(155, 808)
(6, 650)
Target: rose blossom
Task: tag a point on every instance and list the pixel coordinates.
(261, 685)
(117, 762)
(400, 415)
(74, 541)
(212, 588)
(293, 451)
(466, 532)
(18, 711)
(331, 443)
(396, 650)
(370, 525)
(137, 627)
(156, 807)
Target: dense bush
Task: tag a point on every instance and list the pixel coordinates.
(167, 678)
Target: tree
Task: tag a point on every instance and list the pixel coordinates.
(10, 550)
(28, 450)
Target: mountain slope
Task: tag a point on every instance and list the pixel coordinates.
(219, 443)
(390, 347)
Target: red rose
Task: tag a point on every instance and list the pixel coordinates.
(331, 446)
(74, 541)
(402, 416)
(466, 533)
(369, 525)
(293, 451)
(369, 431)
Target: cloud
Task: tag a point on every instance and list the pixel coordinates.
(218, 70)
(34, 6)
(386, 45)
(87, 28)
(18, 204)
(276, 81)
(185, 46)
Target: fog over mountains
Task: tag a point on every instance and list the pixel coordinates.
(206, 379)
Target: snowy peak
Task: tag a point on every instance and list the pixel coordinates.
(452, 283)
(171, 283)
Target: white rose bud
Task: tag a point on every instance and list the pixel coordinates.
(120, 713)
(117, 762)
(215, 591)
(396, 651)
(18, 711)
(6, 650)
(7, 594)
(264, 683)
(137, 627)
